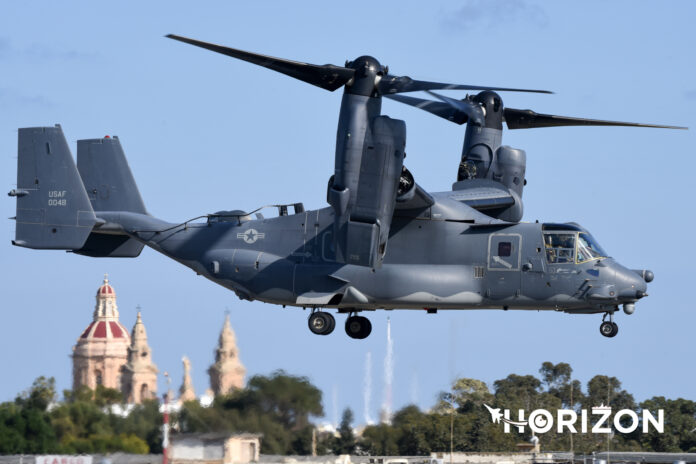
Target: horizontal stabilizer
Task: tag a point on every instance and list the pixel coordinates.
(53, 211)
(110, 246)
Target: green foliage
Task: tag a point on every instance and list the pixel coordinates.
(145, 421)
(459, 416)
(278, 406)
(40, 395)
(82, 423)
(607, 390)
(680, 423)
(381, 440)
(99, 443)
(345, 442)
(290, 400)
(25, 426)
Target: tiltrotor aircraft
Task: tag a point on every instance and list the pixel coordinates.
(383, 243)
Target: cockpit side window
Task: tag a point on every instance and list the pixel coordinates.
(560, 247)
(588, 248)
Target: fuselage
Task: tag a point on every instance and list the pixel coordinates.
(447, 256)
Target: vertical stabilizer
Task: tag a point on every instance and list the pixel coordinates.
(107, 177)
(53, 211)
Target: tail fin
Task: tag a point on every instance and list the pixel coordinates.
(107, 176)
(110, 187)
(53, 210)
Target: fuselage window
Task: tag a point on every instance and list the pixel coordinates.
(504, 249)
(560, 247)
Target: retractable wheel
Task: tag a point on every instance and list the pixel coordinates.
(358, 327)
(332, 322)
(321, 323)
(609, 329)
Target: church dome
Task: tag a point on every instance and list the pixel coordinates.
(105, 324)
(106, 289)
(105, 329)
(101, 350)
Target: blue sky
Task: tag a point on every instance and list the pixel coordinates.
(204, 132)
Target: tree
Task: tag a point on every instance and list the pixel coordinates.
(680, 423)
(518, 392)
(25, 426)
(345, 442)
(602, 389)
(381, 440)
(555, 376)
(41, 394)
(467, 394)
(291, 400)
(145, 421)
(558, 381)
(278, 406)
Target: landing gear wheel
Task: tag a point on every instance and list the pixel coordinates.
(358, 327)
(609, 329)
(332, 325)
(321, 323)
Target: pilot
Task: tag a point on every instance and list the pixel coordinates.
(550, 251)
(566, 243)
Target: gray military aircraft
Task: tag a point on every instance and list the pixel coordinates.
(383, 243)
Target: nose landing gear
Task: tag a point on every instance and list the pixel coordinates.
(609, 328)
(321, 323)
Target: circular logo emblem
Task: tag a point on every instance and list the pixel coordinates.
(251, 236)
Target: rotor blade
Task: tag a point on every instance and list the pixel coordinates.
(327, 77)
(528, 119)
(472, 110)
(397, 84)
(441, 109)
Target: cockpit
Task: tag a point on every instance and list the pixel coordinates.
(569, 243)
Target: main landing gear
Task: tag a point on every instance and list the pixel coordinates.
(322, 323)
(609, 328)
(358, 327)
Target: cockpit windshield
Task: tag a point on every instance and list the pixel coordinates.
(588, 248)
(571, 247)
(560, 247)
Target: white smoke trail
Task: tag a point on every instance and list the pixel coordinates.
(388, 376)
(367, 388)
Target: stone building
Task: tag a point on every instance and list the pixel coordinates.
(215, 448)
(106, 355)
(102, 349)
(139, 374)
(186, 391)
(227, 373)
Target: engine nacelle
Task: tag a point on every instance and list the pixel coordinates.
(509, 168)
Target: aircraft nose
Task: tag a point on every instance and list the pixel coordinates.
(631, 285)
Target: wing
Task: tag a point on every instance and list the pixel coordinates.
(482, 195)
(487, 196)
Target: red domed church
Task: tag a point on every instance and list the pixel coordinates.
(105, 354)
